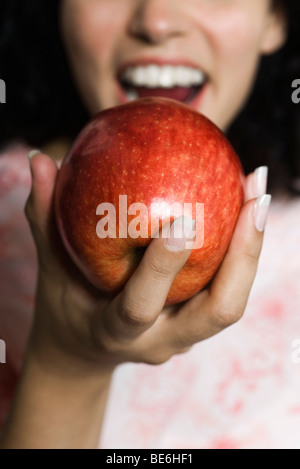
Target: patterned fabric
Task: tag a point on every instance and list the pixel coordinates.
(240, 389)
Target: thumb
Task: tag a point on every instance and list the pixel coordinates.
(39, 206)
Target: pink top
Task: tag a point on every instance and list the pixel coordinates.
(240, 389)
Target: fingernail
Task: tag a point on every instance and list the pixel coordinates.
(261, 211)
(32, 153)
(260, 181)
(181, 232)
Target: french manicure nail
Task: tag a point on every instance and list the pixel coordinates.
(32, 153)
(181, 231)
(260, 181)
(261, 211)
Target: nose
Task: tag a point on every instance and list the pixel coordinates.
(155, 21)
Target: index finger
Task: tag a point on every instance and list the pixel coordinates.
(137, 307)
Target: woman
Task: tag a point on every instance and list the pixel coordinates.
(78, 336)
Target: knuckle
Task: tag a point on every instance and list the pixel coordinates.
(184, 350)
(251, 256)
(133, 312)
(181, 344)
(104, 342)
(225, 316)
(160, 270)
(158, 358)
(107, 345)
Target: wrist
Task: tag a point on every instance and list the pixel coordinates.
(61, 363)
(56, 407)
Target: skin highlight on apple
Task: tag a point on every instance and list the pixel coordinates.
(114, 222)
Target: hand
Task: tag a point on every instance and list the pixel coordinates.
(79, 335)
(79, 325)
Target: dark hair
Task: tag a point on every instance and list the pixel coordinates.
(266, 132)
(43, 104)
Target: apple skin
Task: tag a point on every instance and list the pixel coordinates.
(150, 149)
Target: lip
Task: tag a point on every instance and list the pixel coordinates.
(144, 61)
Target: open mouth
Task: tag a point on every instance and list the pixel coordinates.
(175, 82)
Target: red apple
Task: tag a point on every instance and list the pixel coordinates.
(151, 150)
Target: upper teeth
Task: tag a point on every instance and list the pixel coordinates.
(166, 76)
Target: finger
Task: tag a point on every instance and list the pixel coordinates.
(256, 183)
(39, 206)
(223, 304)
(231, 288)
(249, 188)
(138, 306)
